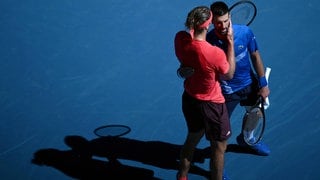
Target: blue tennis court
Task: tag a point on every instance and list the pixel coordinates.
(69, 67)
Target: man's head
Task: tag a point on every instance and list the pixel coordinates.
(198, 20)
(221, 17)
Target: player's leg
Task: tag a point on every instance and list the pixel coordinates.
(218, 130)
(218, 149)
(187, 152)
(250, 100)
(232, 101)
(194, 120)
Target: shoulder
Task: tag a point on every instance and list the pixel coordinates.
(183, 35)
(243, 32)
(241, 28)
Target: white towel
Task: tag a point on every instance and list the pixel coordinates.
(267, 74)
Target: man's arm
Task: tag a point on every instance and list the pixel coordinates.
(260, 70)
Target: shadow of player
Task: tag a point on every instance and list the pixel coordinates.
(78, 161)
(71, 164)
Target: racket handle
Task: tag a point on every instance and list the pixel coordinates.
(267, 74)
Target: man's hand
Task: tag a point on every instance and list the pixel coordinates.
(230, 32)
(264, 92)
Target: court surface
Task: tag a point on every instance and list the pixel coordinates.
(69, 67)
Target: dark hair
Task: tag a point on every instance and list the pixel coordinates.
(219, 8)
(197, 16)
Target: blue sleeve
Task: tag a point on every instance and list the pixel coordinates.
(252, 43)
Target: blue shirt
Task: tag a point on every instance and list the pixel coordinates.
(244, 44)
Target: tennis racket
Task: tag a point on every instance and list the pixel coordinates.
(184, 72)
(113, 130)
(243, 12)
(254, 122)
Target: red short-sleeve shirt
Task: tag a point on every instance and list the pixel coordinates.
(208, 62)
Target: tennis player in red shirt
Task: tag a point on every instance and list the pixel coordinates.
(203, 104)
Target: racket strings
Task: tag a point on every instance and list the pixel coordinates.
(243, 12)
(253, 123)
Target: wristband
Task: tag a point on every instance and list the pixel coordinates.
(263, 82)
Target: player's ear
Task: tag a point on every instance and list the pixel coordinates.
(229, 16)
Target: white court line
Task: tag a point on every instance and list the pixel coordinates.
(17, 146)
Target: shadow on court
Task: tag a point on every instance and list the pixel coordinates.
(78, 162)
(75, 166)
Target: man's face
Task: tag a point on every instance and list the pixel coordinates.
(221, 24)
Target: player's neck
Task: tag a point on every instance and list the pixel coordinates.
(201, 36)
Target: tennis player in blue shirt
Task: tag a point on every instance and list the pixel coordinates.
(249, 81)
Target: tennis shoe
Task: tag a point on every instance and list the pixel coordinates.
(260, 148)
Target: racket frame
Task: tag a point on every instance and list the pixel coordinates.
(126, 130)
(245, 2)
(260, 105)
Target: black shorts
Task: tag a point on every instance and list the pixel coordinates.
(247, 96)
(213, 117)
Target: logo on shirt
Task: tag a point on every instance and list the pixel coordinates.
(240, 47)
(228, 133)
